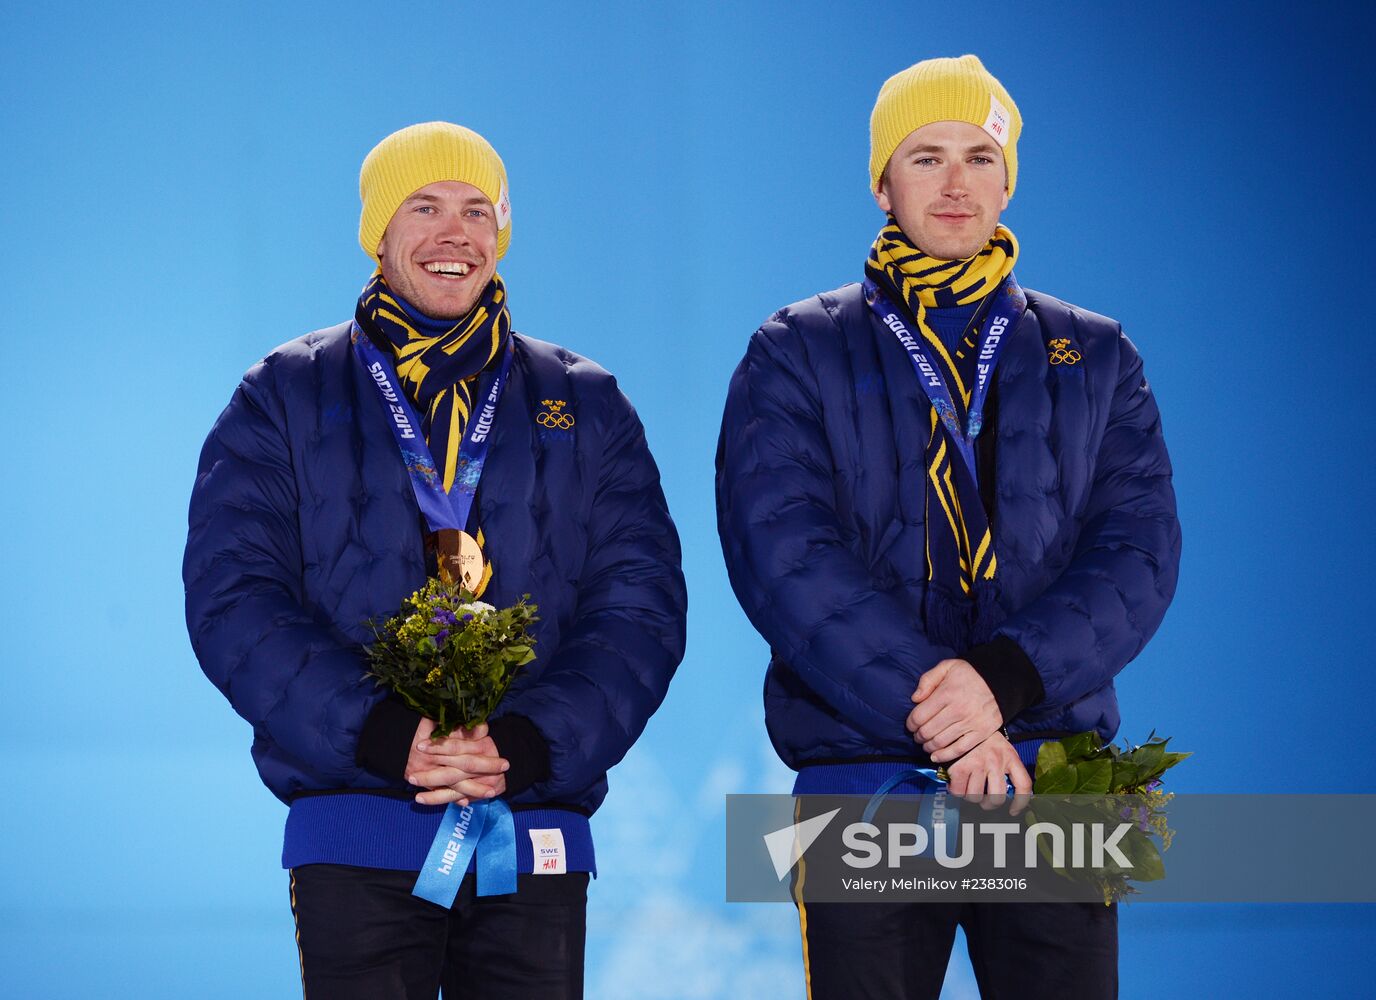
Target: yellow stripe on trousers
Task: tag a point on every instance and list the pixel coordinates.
(802, 907)
(296, 921)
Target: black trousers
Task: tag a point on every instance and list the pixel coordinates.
(1019, 951)
(363, 936)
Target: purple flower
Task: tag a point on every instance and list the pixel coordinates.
(467, 616)
(1153, 784)
(440, 636)
(443, 617)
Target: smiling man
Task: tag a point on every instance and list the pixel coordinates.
(307, 521)
(946, 505)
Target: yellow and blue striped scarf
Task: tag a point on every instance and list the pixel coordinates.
(438, 363)
(960, 550)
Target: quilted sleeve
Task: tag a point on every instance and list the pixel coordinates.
(801, 586)
(613, 665)
(1101, 611)
(293, 677)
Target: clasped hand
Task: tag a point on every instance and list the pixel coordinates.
(955, 712)
(957, 719)
(463, 765)
(983, 774)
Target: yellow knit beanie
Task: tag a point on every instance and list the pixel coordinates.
(407, 160)
(942, 90)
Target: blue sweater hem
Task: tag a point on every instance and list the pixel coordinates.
(376, 831)
(864, 778)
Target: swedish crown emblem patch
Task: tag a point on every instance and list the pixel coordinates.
(553, 415)
(1062, 353)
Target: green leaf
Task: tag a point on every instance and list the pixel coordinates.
(1125, 775)
(1051, 755)
(1093, 777)
(1147, 865)
(1081, 747)
(1149, 757)
(1045, 850)
(1059, 780)
(1174, 758)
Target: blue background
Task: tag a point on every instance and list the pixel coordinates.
(180, 196)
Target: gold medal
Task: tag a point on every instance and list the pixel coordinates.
(460, 558)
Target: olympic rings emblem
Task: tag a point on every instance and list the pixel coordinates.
(1063, 354)
(555, 418)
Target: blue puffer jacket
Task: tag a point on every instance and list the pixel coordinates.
(304, 526)
(820, 493)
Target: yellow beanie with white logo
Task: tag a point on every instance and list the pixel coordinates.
(406, 161)
(943, 90)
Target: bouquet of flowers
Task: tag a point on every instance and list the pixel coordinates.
(450, 656)
(1119, 784)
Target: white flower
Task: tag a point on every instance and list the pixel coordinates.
(478, 608)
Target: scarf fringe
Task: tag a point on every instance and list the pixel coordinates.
(955, 620)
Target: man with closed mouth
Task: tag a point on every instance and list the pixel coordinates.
(946, 504)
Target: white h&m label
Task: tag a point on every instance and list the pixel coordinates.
(503, 207)
(999, 121)
(548, 846)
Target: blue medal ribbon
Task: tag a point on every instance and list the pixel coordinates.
(485, 827)
(1006, 309)
(934, 806)
(441, 510)
(497, 850)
